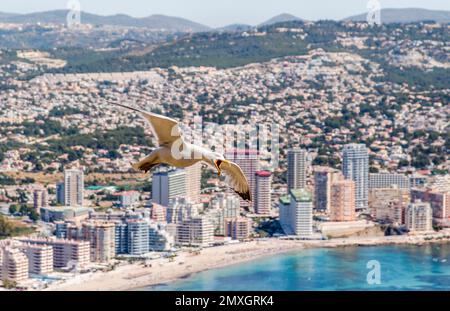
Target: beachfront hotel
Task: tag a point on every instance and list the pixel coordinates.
(342, 200)
(355, 166)
(40, 258)
(263, 188)
(297, 168)
(198, 231)
(193, 182)
(296, 213)
(419, 217)
(137, 236)
(101, 237)
(13, 263)
(238, 228)
(66, 253)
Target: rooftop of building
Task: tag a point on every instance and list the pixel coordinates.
(66, 208)
(301, 195)
(263, 173)
(285, 199)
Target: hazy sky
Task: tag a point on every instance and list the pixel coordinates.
(219, 13)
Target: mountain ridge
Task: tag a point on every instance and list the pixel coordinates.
(156, 21)
(280, 18)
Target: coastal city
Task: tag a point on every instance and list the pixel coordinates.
(359, 157)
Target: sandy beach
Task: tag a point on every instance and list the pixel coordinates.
(134, 276)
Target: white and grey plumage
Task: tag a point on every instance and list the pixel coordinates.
(169, 138)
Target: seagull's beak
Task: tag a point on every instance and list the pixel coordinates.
(217, 165)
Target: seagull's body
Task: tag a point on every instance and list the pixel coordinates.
(174, 151)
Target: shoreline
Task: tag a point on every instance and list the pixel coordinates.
(135, 276)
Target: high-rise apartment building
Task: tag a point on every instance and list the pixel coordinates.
(355, 166)
(13, 263)
(138, 243)
(40, 199)
(248, 161)
(181, 209)
(102, 240)
(193, 182)
(73, 187)
(297, 168)
(419, 217)
(342, 201)
(323, 178)
(167, 185)
(40, 258)
(263, 188)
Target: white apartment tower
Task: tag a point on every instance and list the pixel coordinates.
(193, 182)
(296, 213)
(419, 217)
(297, 167)
(167, 185)
(73, 187)
(355, 166)
(262, 198)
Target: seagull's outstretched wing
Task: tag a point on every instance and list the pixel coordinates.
(165, 129)
(236, 179)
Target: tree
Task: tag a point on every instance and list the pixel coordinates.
(13, 209)
(8, 284)
(34, 216)
(373, 169)
(5, 227)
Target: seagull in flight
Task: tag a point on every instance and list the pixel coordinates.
(174, 151)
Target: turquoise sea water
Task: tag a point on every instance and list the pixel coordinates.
(401, 268)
